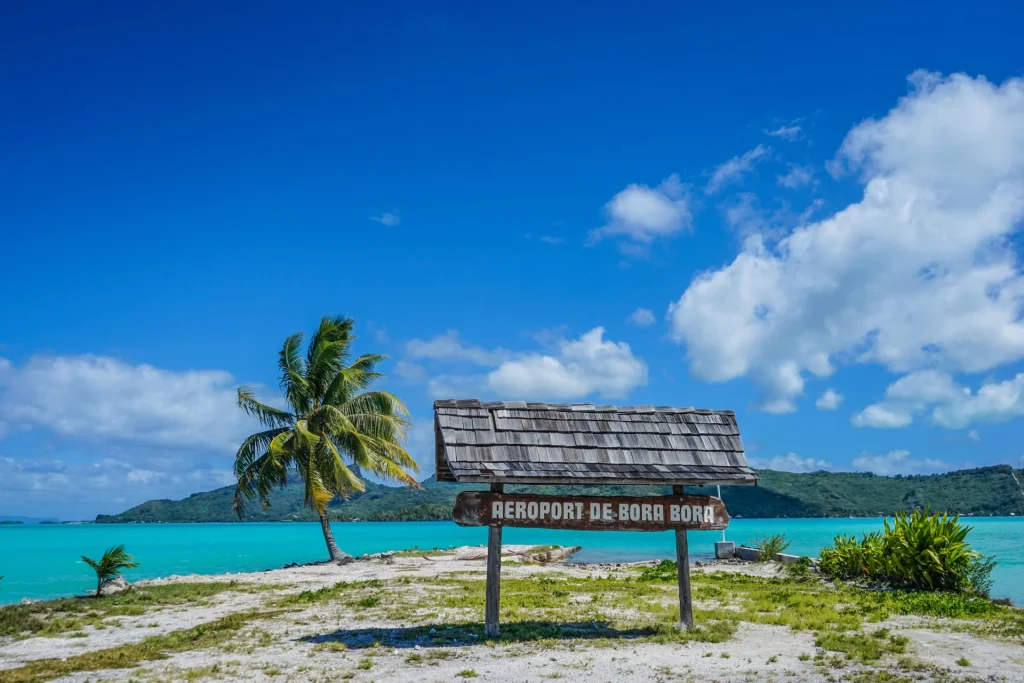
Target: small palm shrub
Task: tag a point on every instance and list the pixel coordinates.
(919, 551)
(110, 566)
(772, 545)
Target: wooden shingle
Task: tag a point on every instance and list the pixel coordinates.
(540, 443)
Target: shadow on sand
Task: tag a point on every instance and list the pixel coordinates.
(453, 635)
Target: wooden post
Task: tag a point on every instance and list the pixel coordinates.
(493, 600)
(683, 560)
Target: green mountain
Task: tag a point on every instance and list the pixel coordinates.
(983, 491)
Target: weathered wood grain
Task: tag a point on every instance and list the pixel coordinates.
(492, 600)
(538, 443)
(590, 513)
(683, 572)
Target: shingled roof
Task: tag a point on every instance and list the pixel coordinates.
(579, 443)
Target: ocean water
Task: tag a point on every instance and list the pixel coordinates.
(43, 561)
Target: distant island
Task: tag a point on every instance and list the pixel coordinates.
(18, 519)
(985, 491)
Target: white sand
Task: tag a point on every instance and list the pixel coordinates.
(283, 648)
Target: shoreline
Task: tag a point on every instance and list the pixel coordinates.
(51, 566)
(410, 617)
(67, 523)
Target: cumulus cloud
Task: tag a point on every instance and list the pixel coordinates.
(569, 369)
(791, 462)
(641, 317)
(103, 398)
(974, 436)
(788, 133)
(76, 490)
(389, 218)
(449, 347)
(797, 177)
(945, 402)
(897, 462)
(920, 273)
(409, 371)
(734, 169)
(582, 367)
(640, 214)
(829, 400)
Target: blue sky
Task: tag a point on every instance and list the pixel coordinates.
(811, 217)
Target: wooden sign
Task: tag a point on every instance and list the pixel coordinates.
(591, 513)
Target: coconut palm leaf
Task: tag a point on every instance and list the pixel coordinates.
(334, 427)
(114, 561)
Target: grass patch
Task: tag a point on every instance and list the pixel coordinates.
(131, 655)
(860, 646)
(340, 590)
(57, 617)
(416, 551)
(467, 673)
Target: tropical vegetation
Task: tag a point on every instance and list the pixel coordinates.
(114, 561)
(919, 551)
(771, 545)
(984, 491)
(332, 421)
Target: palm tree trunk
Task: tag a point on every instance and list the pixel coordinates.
(336, 553)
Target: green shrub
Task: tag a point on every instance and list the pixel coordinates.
(800, 570)
(770, 546)
(979, 574)
(920, 551)
(666, 570)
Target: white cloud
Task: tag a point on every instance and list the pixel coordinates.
(798, 176)
(829, 400)
(572, 368)
(409, 371)
(102, 398)
(449, 347)
(974, 436)
(791, 462)
(548, 239)
(585, 366)
(641, 317)
(746, 215)
(389, 218)
(920, 273)
(946, 403)
(897, 462)
(734, 169)
(881, 417)
(788, 133)
(643, 214)
(78, 489)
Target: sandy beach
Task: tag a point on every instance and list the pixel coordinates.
(418, 618)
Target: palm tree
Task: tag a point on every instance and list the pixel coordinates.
(330, 418)
(110, 566)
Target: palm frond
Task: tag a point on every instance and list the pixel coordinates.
(254, 446)
(379, 402)
(293, 374)
(114, 561)
(268, 416)
(327, 353)
(351, 380)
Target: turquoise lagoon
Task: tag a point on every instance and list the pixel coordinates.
(43, 561)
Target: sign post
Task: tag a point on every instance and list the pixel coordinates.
(493, 599)
(683, 572)
(678, 512)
